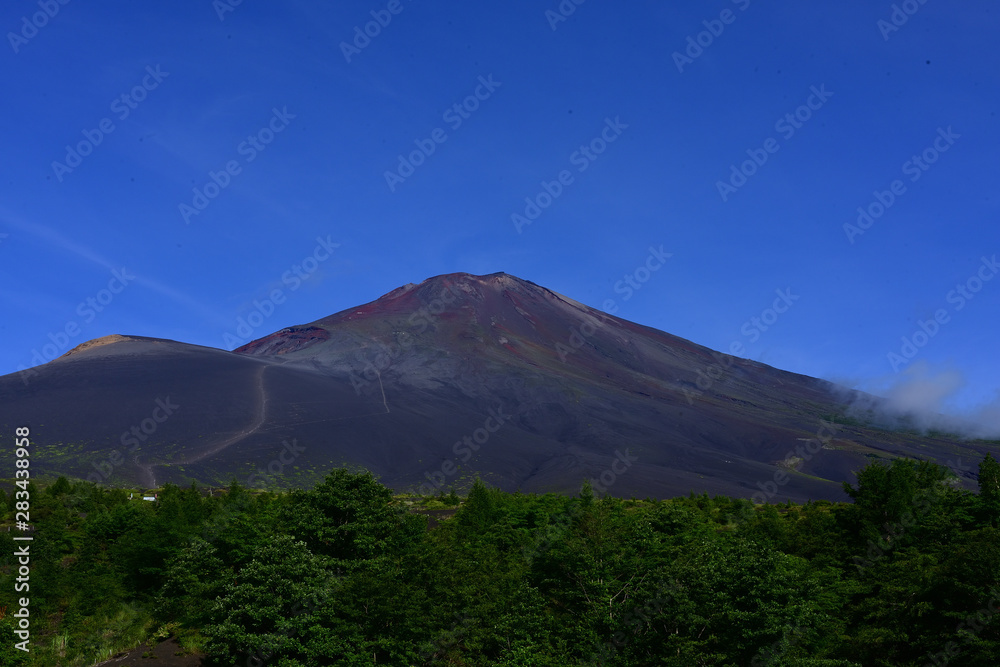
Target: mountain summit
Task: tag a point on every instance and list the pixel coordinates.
(436, 383)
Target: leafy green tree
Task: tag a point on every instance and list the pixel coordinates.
(890, 499)
(194, 578)
(61, 487)
(268, 613)
(483, 507)
(9, 655)
(339, 575)
(350, 517)
(989, 490)
(732, 599)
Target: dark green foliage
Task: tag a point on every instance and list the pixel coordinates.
(10, 656)
(989, 490)
(343, 575)
(483, 507)
(193, 576)
(893, 504)
(348, 517)
(61, 487)
(268, 608)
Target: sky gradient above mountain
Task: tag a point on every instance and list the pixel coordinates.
(211, 172)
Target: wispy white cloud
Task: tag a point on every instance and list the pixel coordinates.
(925, 396)
(63, 243)
(52, 238)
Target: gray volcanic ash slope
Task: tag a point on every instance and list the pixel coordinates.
(437, 382)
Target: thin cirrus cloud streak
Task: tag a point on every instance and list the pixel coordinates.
(61, 242)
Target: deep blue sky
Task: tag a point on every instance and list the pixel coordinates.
(887, 96)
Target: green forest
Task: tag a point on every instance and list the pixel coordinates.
(349, 574)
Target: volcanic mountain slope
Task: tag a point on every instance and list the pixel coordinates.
(435, 383)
